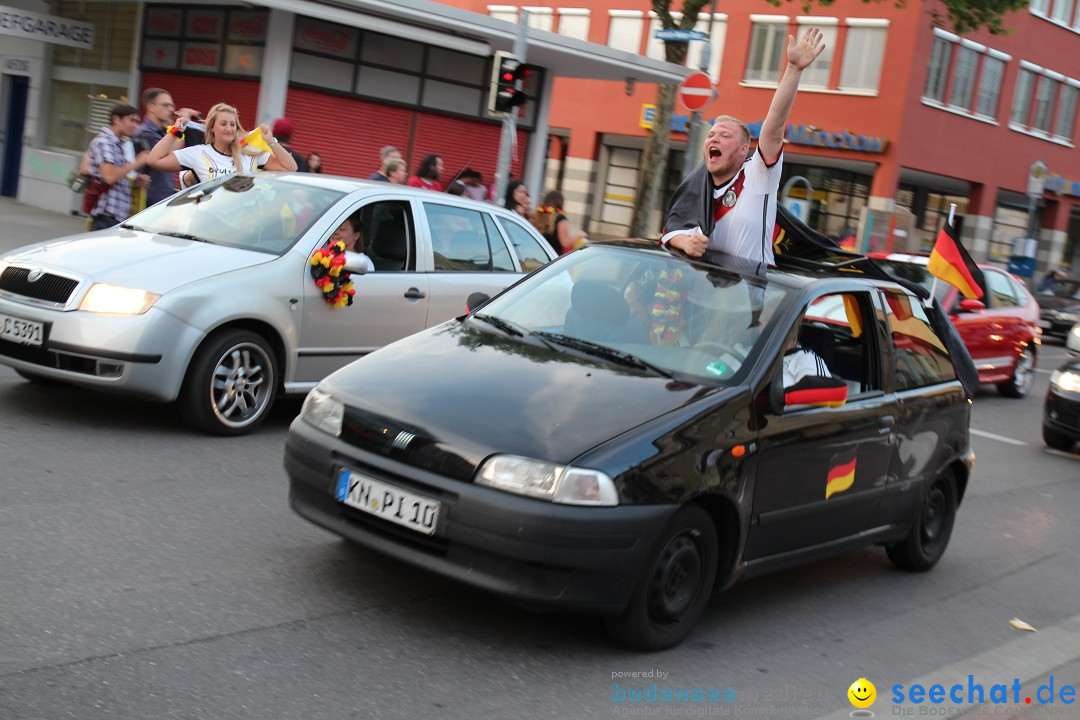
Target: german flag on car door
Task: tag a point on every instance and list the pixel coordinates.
(950, 262)
(841, 473)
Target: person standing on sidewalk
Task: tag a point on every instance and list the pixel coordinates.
(160, 111)
(109, 163)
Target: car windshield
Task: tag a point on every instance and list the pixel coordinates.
(257, 212)
(649, 310)
(915, 272)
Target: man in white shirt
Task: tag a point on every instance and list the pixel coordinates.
(729, 202)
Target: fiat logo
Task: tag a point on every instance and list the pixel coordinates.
(35, 274)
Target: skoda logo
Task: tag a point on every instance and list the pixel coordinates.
(35, 274)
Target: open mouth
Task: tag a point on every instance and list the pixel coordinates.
(714, 153)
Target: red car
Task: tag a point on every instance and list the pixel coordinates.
(1001, 330)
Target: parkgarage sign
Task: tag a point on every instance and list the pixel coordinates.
(46, 28)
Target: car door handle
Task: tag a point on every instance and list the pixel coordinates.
(415, 294)
(887, 423)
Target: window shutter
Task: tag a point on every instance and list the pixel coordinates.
(990, 86)
(1066, 114)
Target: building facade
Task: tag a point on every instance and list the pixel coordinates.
(896, 121)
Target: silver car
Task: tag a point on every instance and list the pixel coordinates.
(208, 298)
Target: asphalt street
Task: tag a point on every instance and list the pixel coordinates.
(150, 573)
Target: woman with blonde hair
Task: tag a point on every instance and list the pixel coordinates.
(222, 154)
(552, 223)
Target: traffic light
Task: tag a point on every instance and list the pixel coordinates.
(507, 76)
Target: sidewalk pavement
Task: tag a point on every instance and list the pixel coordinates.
(25, 224)
(1057, 678)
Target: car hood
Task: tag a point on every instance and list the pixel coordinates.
(130, 258)
(448, 397)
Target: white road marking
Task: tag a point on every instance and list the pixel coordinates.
(1000, 438)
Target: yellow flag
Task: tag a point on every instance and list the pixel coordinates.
(255, 139)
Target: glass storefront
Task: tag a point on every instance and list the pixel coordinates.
(838, 197)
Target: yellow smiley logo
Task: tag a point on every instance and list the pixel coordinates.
(862, 693)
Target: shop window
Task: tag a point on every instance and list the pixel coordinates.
(1010, 222)
(817, 74)
(864, 50)
(574, 23)
(115, 30)
(624, 30)
(767, 47)
(75, 112)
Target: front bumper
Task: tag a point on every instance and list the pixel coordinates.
(144, 355)
(1061, 413)
(578, 558)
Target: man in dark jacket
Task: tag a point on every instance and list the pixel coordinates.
(160, 112)
(283, 130)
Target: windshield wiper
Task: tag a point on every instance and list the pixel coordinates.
(129, 226)
(507, 327)
(184, 236)
(619, 357)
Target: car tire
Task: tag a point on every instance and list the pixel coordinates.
(230, 384)
(929, 535)
(39, 379)
(674, 584)
(1056, 440)
(1023, 377)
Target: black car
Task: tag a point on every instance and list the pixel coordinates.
(1061, 414)
(1059, 307)
(613, 435)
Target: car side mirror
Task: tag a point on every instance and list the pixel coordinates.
(356, 263)
(816, 391)
(475, 300)
(971, 305)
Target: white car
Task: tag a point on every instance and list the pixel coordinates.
(208, 297)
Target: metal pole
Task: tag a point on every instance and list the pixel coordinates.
(509, 123)
(693, 141)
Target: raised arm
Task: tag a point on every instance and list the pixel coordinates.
(799, 55)
(161, 155)
(280, 158)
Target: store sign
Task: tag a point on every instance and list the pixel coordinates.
(163, 22)
(17, 66)
(203, 57)
(679, 123)
(843, 140)
(326, 38)
(206, 24)
(161, 54)
(1061, 186)
(247, 26)
(46, 28)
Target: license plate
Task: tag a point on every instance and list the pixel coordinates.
(388, 502)
(24, 332)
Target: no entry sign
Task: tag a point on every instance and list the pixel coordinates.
(696, 91)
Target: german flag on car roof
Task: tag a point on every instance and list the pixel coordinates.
(950, 262)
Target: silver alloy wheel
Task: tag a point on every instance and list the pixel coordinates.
(1024, 374)
(242, 384)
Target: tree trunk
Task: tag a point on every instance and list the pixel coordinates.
(653, 162)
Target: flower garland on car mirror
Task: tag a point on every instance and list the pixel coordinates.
(328, 269)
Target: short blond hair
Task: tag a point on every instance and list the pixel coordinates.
(735, 121)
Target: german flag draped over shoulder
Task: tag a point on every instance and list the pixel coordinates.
(951, 262)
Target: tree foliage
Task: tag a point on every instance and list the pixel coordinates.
(962, 16)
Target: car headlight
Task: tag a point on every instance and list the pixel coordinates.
(323, 411)
(105, 298)
(1066, 380)
(548, 481)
